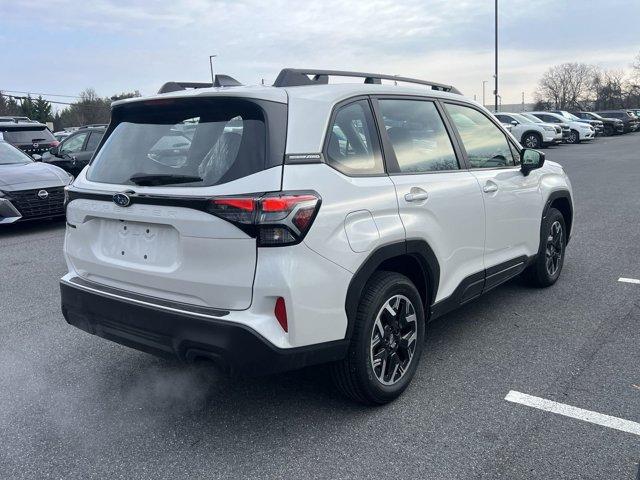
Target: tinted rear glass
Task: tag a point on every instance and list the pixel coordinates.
(93, 141)
(28, 135)
(205, 141)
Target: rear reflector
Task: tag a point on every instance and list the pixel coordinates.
(280, 312)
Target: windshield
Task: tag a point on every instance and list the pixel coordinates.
(201, 142)
(570, 116)
(28, 135)
(521, 118)
(533, 118)
(10, 155)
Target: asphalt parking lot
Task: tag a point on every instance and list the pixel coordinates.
(76, 406)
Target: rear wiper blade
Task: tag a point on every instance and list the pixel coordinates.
(162, 179)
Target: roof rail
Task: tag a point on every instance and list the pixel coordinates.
(219, 81)
(294, 77)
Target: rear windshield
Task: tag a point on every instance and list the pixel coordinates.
(28, 135)
(187, 142)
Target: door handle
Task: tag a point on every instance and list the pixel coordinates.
(490, 187)
(416, 194)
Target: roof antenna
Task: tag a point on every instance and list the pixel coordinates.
(263, 81)
(395, 82)
(211, 57)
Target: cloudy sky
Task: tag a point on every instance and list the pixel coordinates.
(63, 46)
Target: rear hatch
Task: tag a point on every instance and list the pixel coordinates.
(30, 138)
(144, 217)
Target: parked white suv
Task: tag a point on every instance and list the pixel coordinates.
(579, 131)
(270, 228)
(529, 133)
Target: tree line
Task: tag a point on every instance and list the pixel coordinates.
(88, 109)
(580, 86)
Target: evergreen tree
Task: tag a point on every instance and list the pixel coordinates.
(27, 107)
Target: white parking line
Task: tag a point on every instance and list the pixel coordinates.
(574, 412)
(629, 280)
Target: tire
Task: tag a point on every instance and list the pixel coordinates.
(532, 140)
(574, 137)
(547, 267)
(608, 130)
(364, 375)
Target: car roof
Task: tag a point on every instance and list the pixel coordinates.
(311, 102)
(22, 125)
(330, 93)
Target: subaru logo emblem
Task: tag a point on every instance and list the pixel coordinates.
(43, 194)
(121, 199)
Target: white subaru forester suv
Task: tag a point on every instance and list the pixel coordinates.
(271, 228)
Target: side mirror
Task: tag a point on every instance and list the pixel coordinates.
(514, 123)
(36, 157)
(531, 159)
(54, 150)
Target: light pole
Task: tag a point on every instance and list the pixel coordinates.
(211, 57)
(484, 84)
(495, 92)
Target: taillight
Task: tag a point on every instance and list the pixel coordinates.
(55, 143)
(234, 209)
(276, 219)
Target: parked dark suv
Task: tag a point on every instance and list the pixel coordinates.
(75, 151)
(611, 125)
(32, 138)
(629, 120)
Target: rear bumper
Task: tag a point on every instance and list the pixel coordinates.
(169, 332)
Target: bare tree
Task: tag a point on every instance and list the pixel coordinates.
(566, 86)
(611, 88)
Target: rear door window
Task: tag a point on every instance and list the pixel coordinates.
(186, 142)
(94, 140)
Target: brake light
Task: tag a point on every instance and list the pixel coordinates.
(276, 219)
(280, 311)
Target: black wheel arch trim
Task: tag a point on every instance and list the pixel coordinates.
(418, 249)
(565, 194)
